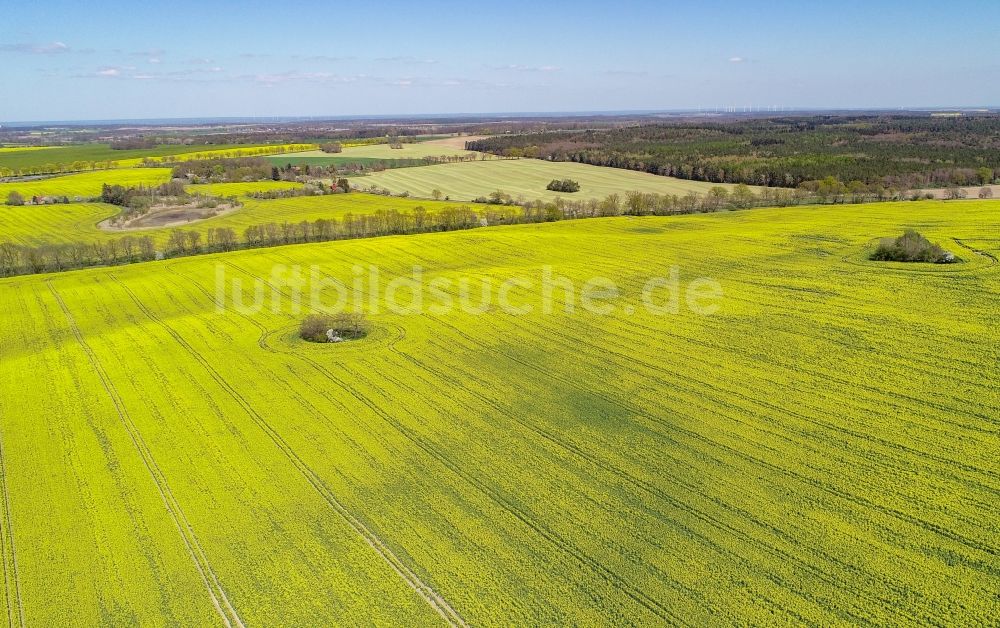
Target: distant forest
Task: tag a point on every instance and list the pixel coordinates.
(903, 152)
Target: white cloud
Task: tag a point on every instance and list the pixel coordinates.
(55, 47)
(626, 73)
(322, 58)
(131, 72)
(309, 77)
(405, 59)
(736, 59)
(527, 68)
(153, 55)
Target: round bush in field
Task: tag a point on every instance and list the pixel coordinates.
(911, 247)
(564, 185)
(334, 327)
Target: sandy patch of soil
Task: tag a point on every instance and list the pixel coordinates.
(160, 217)
(971, 192)
(454, 142)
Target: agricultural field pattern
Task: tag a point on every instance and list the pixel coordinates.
(205, 465)
(408, 314)
(525, 178)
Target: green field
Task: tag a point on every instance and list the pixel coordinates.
(524, 178)
(87, 156)
(822, 450)
(234, 152)
(27, 158)
(84, 184)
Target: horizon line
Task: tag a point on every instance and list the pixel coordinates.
(716, 110)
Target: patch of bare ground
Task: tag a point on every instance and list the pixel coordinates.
(971, 192)
(167, 216)
(457, 141)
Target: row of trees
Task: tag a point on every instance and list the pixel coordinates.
(230, 154)
(364, 165)
(223, 170)
(314, 188)
(57, 168)
(829, 190)
(132, 143)
(16, 259)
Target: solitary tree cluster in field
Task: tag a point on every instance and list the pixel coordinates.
(954, 193)
(565, 185)
(334, 328)
(911, 247)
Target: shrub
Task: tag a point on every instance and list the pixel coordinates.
(565, 185)
(954, 193)
(910, 247)
(15, 199)
(347, 325)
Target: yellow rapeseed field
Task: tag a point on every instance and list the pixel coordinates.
(822, 449)
(35, 225)
(84, 184)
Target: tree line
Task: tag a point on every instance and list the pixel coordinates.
(313, 188)
(18, 259)
(901, 152)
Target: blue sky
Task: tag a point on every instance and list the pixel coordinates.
(103, 60)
